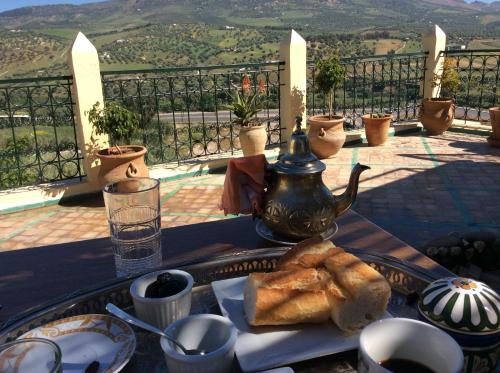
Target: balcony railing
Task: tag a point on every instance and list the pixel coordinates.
(373, 84)
(38, 140)
(479, 72)
(184, 111)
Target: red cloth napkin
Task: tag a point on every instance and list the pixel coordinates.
(244, 185)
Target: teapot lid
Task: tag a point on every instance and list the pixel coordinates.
(299, 159)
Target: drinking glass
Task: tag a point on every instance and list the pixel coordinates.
(30, 355)
(133, 210)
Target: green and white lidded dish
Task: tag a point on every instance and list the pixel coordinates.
(461, 305)
(469, 311)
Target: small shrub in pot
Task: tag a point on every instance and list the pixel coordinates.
(326, 132)
(121, 160)
(437, 114)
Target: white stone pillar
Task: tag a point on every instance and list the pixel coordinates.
(83, 62)
(433, 41)
(293, 51)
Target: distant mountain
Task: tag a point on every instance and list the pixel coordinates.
(481, 6)
(313, 15)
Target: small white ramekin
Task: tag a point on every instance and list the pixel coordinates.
(161, 312)
(212, 333)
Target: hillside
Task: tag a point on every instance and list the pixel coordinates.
(319, 15)
(158, 33)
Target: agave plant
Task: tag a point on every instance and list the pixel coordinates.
(247, 105)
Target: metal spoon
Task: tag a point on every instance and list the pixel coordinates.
(121, 314)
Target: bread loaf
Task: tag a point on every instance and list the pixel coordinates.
(366, 292)
(287, 297)
(310, 253)
(315, 281)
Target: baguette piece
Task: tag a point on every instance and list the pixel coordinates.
(366, 292)
(310, 253)
(287, 297)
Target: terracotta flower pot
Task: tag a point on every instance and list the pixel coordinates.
(376, 129)
(494, 139)
(116, 167)
(437, 114)
(253, 140)
(326, 136)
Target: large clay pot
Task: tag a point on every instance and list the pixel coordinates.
(437, 114)
(376, 129)
(494, 139)
(116, 167)
(326, 136)
(253, 140)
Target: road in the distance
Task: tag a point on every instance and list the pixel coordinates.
(209, 116)
(224, 116)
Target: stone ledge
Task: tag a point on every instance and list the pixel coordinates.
(30, 197)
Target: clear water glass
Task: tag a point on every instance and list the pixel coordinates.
(133, 210)
(30, 355)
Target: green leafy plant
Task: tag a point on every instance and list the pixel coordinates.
(330, 75)
(247, 104)
(380, 115)
(115, 120)
(14, 152)
(449, 80)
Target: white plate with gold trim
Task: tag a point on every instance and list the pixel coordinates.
(87, 338)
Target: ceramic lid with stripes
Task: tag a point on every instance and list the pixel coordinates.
(462, 305)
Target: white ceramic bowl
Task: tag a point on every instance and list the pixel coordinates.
(212, 333)
(401, 338)
(161, 312)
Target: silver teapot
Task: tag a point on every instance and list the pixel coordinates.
(297, 204)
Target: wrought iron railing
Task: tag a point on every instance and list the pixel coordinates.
(184, 111)
(384, 83)
(479, 72)
(38, 141)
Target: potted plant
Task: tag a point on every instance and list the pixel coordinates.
(326, 132)
(494, 139)
(245, 107)
(119, 161)
(437, 114)
(377, 127)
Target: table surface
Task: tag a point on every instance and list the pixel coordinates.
(33, 276)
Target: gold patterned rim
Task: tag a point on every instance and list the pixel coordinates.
(93, 323)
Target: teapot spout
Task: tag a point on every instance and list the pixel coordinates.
(346, 199)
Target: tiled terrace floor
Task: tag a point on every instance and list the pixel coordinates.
(418, 188)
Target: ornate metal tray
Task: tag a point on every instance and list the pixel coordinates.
(405, 278)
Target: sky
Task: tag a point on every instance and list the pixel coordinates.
(12, 4)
